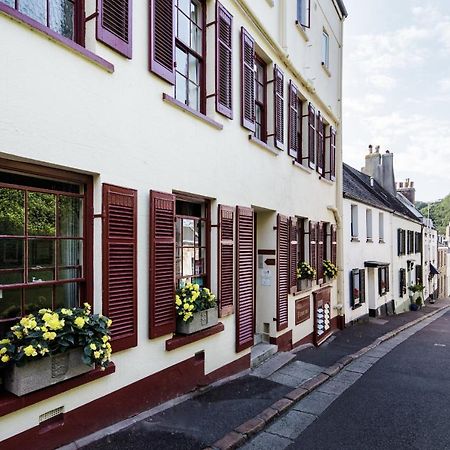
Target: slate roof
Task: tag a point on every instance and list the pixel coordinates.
(358, 186)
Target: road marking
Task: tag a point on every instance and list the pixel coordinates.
(440, 345)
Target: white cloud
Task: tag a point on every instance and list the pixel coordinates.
(382, 81)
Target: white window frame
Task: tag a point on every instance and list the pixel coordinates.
(325, 49)
(354, 221)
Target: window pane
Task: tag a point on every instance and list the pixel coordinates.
(183, 28)
(10, 304)
(61, 17)
(180, 88)
(70, 252)
(178, 270)
(11, 253)
(188, 261)
(194, 69)
(65, 274)
(67, 295)
(11, 278)
(37, 298)
(41, 214)
(196, 13)
(41, 253)
(196, 39)
(188, 232)
(198, 280)
(70, 220)
(182, 61)
(185, 6)
(36, 9)
(200, 257)
(194, 96)
(12, 211)
(8, 2)
(36, 276)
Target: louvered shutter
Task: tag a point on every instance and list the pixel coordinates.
(293, 253)
(278, 98)
(162, 39)
(119, 230)
(320, 249)
(320, 154)
(387, 278)
(282, 271)
(333, 154)
(162, 264)
(333, 244)
(380, 281)
(224, 74)
(226, 259)
(362, 286)
(248, 80)
(352, 288)
(293, 113)
(114, 23)
(245, 277)
(311, 136)
(313, 246)
(399, 242)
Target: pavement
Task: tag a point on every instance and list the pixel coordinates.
(273, 404)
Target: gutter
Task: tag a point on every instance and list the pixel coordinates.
(342, 7)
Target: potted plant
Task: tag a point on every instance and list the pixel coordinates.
(329, 269)
(196, 309)
(416, 291)
(52, 346)
(305, 274)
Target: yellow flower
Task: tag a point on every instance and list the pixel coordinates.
(79, 322)
(108, 324)
(66, 312)
(191, 307)
(93, 347)
(18, 334)
(105, 339)
(97, 355)
(49, 335)
(5, 341)
(43, 351)
(44, 310)
(3, 350)
(177, 300)
(30, 351)
(87, 306)
(196, 287)
(5, 358)
(186, 306)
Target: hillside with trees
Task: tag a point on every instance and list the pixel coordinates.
(439, 212)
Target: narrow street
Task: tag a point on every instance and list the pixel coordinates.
(395, 397)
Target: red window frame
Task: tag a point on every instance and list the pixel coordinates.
(86, 281)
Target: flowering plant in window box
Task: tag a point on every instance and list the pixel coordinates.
(329, 269)
(52, 346)
(196, 309)
(305, 274)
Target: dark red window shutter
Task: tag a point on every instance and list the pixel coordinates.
(293, 253)
(162, 264)
(320, 249)
(312, 136)
(278, 98)
(245, 277)
(333, 153)
(224, 59)
(293, 121)
(313, 245)
(119, 229)
(162, 39)
(114, 23)
(248, 80)
(362, 286)
(226, 260)
(282, 271)
(387, 278)
(333, 244)
(320, 150)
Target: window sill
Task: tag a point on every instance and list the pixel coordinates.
(302, 167)
(326, 69)
(47, 32)
(302, 31)
(369, 240)
(262, 144)
(381, 241)
(354, 239)
(10, 403)
(179, 340)
(325, 180)
(177, 104)
(357, 306)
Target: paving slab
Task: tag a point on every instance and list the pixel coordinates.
(315, 403)
(267, 441)
(347, 377)
(334, 387)
(292, 424)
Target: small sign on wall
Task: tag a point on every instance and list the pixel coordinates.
(302, 310)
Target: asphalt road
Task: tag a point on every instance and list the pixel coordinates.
(401, 402)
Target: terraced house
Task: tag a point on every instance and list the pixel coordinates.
(147, 145)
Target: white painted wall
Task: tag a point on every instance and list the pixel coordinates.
(60, 109)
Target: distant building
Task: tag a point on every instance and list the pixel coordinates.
(442, 266)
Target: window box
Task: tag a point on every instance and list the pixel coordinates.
(305, 284)
(201, 320)
(45, 372)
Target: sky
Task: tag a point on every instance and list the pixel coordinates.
(397, 88)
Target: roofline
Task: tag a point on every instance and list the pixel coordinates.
(342, 7)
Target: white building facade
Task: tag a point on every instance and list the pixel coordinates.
(221, 166)
(382, 241)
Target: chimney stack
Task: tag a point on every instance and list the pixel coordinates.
(408, 190)
(381, 168)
